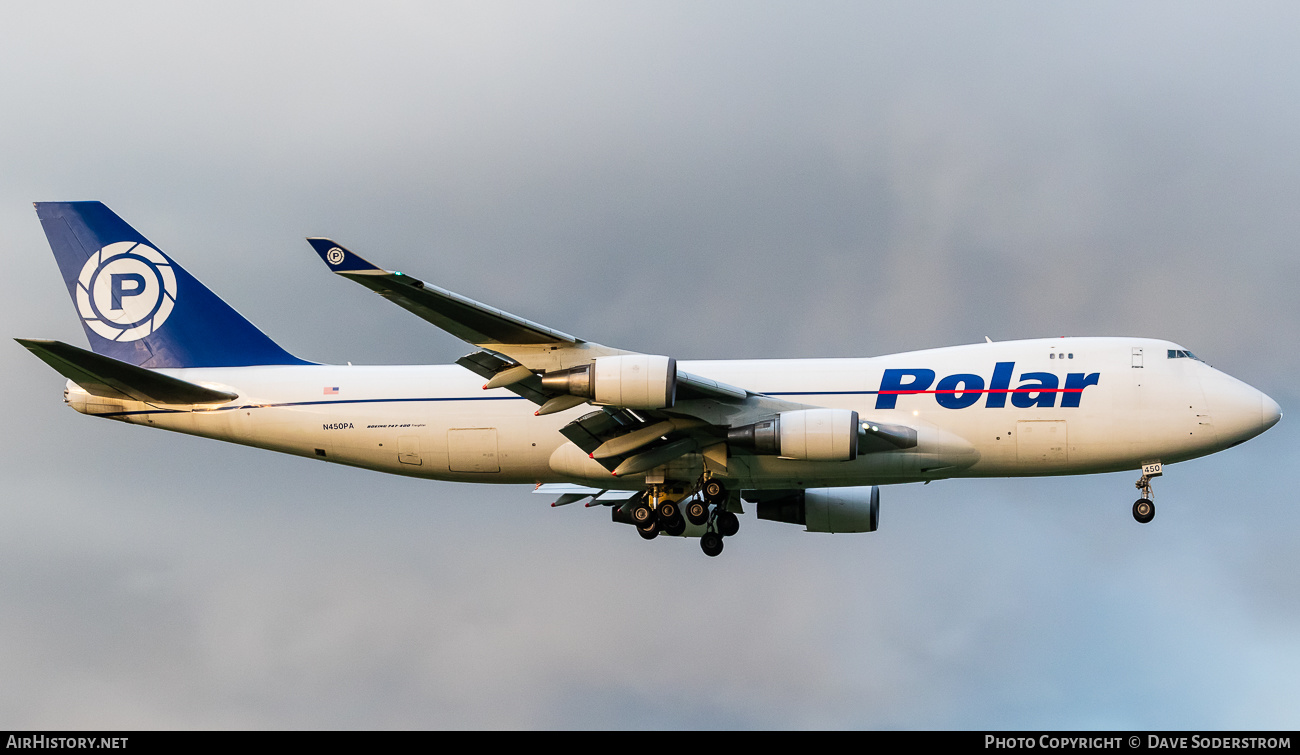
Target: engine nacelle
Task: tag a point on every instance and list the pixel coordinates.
(636, 381)
(826, 509)
(804, 434)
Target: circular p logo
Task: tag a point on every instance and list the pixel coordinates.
(126, 291)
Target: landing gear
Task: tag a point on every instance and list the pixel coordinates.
(712, 513)
(665, 508)
(1144, 509)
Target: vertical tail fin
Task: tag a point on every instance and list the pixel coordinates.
(140, 307)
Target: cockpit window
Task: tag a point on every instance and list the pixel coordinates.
(1183, 354)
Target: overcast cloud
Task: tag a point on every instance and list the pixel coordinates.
(732, 179)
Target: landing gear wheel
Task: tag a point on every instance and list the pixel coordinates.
(728, 524)
(714, 492)
(1144, 510)
(697, 511)
(711, 544)
(675, 526)
(649, 531)
(642, 515)
(667, 511)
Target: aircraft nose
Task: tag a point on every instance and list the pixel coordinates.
(1240, 411)
(1270, 412)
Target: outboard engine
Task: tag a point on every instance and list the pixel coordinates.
(635, 381)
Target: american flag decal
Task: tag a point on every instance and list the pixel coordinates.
(332, 391)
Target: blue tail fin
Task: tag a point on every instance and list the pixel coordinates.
(139, 306)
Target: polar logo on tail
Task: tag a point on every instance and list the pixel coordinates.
(334, 256)
(126, 291)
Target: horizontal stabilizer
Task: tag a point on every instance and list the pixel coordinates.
(104, 376)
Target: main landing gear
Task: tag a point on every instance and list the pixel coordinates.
(662, 510)
(1144, 509)
(657, 512)
(712, 511)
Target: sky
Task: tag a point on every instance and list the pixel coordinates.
(722, 180)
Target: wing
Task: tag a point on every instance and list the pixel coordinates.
(542, 365)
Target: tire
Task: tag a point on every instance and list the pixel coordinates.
(675, 526)
(1144, 510)
(649, 531)
(667, 511)
(711, 544)
(697, 512)
(714, 491)
(641, 515)
(728, 524)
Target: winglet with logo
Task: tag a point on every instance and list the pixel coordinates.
(341, 260)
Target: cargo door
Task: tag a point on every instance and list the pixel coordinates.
(1041, 441)
(472, 450)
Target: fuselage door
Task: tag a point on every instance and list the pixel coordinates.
(1041, 441)
(408, 449)
(472, 450)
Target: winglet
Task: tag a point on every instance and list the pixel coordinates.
(340, 259)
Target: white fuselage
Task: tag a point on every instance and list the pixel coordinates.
(1106, 404)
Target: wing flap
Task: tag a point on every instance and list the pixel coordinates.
(104, 376)
(489, 365)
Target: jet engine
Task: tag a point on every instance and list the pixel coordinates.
(634, 381)
(822, 509)
(804, 434)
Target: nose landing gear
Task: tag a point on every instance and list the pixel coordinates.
(1144, 509)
